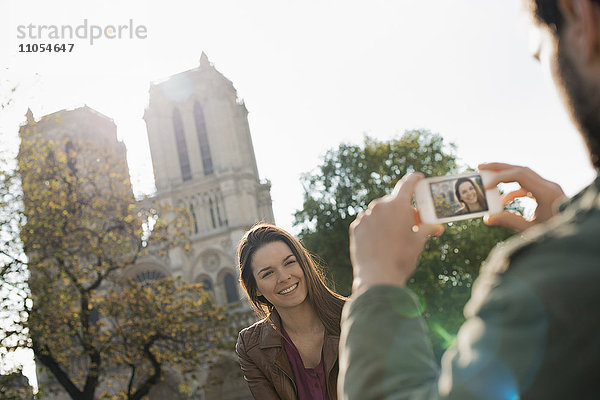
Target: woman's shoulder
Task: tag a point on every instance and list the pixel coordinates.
(461, 211)
(250, 336)
(258, 325)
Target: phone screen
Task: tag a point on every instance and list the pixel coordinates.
(458, 196)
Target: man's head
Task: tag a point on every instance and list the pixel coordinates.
(574, 58)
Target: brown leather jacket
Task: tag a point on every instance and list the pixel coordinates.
(266, 366)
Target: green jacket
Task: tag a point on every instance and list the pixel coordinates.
(532, 327)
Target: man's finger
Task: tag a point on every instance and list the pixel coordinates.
(495, 166)
(504, 176)
(427, 230)
(405, 188)
(508, 220)
(524, 176)
(510, 196)
(430, 230)
(356, 221)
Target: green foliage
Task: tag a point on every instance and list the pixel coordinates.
(446, 272)
(350, 177)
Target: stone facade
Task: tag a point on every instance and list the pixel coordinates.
(203, 159)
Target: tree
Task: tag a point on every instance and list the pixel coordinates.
(96, 330)
(13, 271)
(350, 177)
(15, 386)
(11, 265)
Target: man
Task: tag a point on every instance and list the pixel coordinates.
(533, 327)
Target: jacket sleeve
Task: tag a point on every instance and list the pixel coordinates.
(385, 352)
(384, 349)
(258, 383)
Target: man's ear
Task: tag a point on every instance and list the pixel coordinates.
(583, 17)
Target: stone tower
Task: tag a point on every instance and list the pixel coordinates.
(67, 130)
(203, 159)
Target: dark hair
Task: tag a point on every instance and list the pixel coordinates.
(480, 197)
(548, 12)
(326, 303)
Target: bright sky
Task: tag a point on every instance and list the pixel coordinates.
(312, 74)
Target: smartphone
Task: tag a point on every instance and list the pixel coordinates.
(451, 198)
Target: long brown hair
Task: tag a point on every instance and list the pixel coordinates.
(480, 198)
(326, 303)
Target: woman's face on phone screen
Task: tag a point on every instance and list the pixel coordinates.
(467, 192)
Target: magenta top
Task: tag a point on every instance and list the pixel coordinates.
(309, 381)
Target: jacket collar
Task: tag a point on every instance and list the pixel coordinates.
(271, 337)
(330, 352)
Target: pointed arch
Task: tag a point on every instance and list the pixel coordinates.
(218, 211)
(224, 211)
(182, 152)
(146, 277)
(194, 218)
(206, 282)
(231, 291)
(207, 163)
(212, 213)
(70, 152)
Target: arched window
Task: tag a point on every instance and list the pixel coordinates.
(219, 212)
(50, 161)
(207, 164)
(225, 222)
(194, 219)
(147, 277)
(70, 152)
(231, 289)
(207, 285)
(212, 213)
(184, 161)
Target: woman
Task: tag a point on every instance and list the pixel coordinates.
(469, 195)
(292, 352)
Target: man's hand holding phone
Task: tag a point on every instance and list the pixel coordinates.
(444, 199)
(547, 195)
(387, 239)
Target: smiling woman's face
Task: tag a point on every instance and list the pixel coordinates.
(279, 277)
(467, 192)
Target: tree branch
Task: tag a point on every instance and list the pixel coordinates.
(130, 385)
(153, 379)
(46, 358)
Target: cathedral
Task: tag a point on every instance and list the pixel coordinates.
(203, 159)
